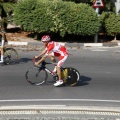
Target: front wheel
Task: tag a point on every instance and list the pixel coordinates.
(36, 76)
(10, 56)
(70, 76)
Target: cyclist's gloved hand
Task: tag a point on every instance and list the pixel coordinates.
(34, 59)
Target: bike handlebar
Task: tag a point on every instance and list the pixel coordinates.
(43, 62)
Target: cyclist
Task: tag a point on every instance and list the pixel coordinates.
(53, 49)
(2, 40)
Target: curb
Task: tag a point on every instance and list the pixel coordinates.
(62, 107)
(59, 112)
(67, 44)
(17, 43)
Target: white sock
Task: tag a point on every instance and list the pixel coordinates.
(54, 69)
(2, 58)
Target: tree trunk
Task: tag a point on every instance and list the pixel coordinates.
(115, 38)
(3, 24)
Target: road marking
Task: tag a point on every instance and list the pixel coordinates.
(98, 50)
(92, 44)
(44, 100)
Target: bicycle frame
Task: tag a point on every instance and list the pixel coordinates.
(4, 49)
(46, 69)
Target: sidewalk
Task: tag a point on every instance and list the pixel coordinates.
(24, 41)
(70, 45)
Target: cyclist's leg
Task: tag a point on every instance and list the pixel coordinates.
(59, 65)
(52, 57)
(2, 52)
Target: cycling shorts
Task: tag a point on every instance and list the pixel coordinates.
(62, 59)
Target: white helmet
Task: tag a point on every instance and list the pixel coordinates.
(45, 38)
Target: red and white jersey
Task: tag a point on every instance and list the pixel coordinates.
(57, 48)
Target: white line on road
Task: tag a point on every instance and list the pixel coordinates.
(44, 100)
(98, 50)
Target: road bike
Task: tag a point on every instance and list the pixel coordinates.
(10, 54)
(38, 75)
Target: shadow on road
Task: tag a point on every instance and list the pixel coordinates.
(24, 60)
(83, 81)
(19, 61)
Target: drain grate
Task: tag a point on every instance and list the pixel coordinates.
(67, 112)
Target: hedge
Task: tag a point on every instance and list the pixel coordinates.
(57, 16)
(112, 24)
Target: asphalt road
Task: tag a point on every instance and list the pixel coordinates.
(99, 86)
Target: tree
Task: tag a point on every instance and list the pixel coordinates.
(112, 24)
(6, 9)
(109, 6)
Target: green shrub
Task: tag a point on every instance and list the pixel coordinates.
(32, 15)
(112, 24)
(82, 20)
(71, 18)
(58, 11)
(42, 21)
(23, 14)
(57, 16)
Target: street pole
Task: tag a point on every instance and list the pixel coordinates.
(117, 5)
(97, 4)
(117, 9)
(96, 36)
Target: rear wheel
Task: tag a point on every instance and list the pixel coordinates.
(70, 76)
(10, 56)
(36, 76)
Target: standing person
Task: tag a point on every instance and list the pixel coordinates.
(53, 49)
(2, 40)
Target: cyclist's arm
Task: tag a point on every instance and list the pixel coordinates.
(42, 53)
(42, 59)
(46, 52)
